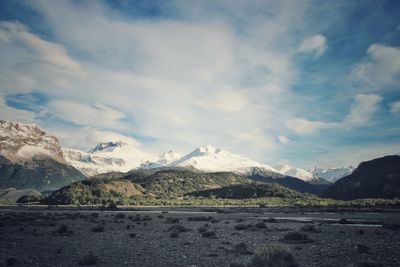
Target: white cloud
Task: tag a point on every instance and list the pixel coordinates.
(315, 44)
(13, 114)
(363, 108)
(381, 69)
(283, 139)
(395, 108)
(51, 53)
(305, 126)
(96, 136)
(361, 113)
(230, 101)
(97, 115)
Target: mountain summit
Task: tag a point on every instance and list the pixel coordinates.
(31, 159)
(210, 159)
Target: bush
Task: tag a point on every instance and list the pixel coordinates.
(120, 216)
(11, 261)
(271, 220)
(62, 229)
(132, 235)
(171, 220)
(296, 237)
(368, 264)
(261, 225)
(391, 226)
(97, 229)
(362, 248)
(209, 234)
(177, 228)
(242, 226)
(308, 228)
(242, 249)
(200, 218)
(272, 256)
(89, 259)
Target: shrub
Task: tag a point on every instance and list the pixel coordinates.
(171, 220)
(242, 226)
(261, 225)
(177, 228)
(272, 256)
(296, 237)
(391, 226)
(89, 259)
(308, 228)
(362, 248)
(208, 233)
(242, 249)
(97, 229)
(202, 229)
(174, 234)
(132, 235)
(200, 218)
(120, 216)
(11, 261)
(271, 220)
(368, 264)
(62, 229)
(146, 218)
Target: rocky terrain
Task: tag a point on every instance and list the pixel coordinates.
(196, 237)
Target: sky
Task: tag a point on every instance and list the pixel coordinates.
(303, 82)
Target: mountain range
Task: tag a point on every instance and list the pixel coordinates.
(31, 159)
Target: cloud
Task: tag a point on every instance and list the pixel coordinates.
(363, 108)
(395, 108)
(96, 136)
(361, 112)
(231, 101)
(315, 44)
(283, 140)
(87, 115)
(51, 53)
(305, 126)
(13, 114)
(380, 70)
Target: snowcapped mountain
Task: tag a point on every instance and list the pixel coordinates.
(333, 174)
(31, 159)
(163, 160)
(22, 142)
(296, 172)
(211, 159)
(107, 157)
(116, 157)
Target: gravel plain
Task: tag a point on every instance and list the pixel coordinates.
(175, 236)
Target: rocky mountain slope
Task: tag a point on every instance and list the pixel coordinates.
(377, 178)
(31, 159)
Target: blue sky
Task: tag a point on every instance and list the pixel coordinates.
(300, 82)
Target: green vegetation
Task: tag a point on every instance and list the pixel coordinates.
(296, 237)
(272, 256)
(185, 188)
(89, 259)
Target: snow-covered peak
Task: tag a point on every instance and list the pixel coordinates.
(21, 142)
(105, 157)
(332, 174)
(295, 172)
(211, 159)
(169, 157)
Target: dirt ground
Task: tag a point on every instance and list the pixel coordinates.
(60, 237)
